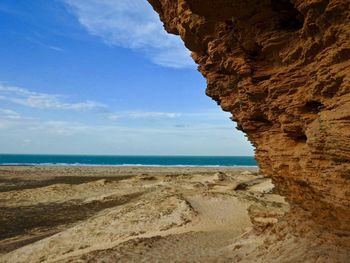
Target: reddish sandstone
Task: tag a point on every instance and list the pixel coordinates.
(282, 68)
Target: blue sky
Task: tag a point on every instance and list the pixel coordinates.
(103, 77)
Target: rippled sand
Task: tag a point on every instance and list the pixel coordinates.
(131, 214)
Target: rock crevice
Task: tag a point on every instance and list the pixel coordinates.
(282, 68)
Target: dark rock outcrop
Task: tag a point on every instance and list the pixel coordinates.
(282, 68)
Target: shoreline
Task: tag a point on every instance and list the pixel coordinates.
(124, 165)
(153, 161)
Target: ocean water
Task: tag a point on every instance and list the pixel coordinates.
(32, 159)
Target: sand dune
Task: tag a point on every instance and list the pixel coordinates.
(134, 214)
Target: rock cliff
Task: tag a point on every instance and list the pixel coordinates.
(282, 68)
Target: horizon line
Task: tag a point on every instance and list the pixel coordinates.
(138, 155)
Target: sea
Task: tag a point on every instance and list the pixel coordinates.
(125, 160)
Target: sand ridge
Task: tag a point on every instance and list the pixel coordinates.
(131, 214)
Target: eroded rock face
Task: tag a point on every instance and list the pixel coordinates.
(282, 68)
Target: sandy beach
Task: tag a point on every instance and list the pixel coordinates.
(131, 214)
(153, 214)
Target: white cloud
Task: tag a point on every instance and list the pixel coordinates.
(131, 24)
(9, 114)
(61, 127)
(143, 115)
(43, 44)
(44, 101)
(38, 100)
(72, 137)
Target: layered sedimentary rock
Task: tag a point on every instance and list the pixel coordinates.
(282, 68)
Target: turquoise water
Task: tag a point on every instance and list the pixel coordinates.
(31, 159)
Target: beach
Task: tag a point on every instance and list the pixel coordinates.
(125, 214)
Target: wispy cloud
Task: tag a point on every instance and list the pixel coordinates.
(61, 128)
(9, 114)
(143, 115)
(64, 136)
(131, 24)
(55, 48)
(45, 101)
(38, 100)
(68, 128)
(49, 46)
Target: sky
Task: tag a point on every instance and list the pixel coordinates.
(103, 77)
